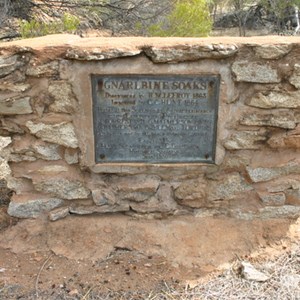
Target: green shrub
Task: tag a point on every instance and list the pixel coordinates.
(188, 18)
(34, 28)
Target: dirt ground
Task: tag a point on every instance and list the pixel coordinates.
(115, 255)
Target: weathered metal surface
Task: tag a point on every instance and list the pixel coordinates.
(155, 119)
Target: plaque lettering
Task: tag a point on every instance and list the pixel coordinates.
(155, 119)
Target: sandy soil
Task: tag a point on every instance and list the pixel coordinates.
(121, 254)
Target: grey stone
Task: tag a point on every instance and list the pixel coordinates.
(62, 188)
(248, 272)
(272, 51)
(99, 54)
(295, 78)
(15, 106)
(104, 196)
(4, 168)
(272, 199)
(227, 188)
(283, 119)
(285, 212)
(192, 193)
(61, 134)
(45, 70)
(46, 151)
(248, 71)
(293, 196)
(189, 52)
(246, 140)
(16, 88)
(59, 213)
(64, 100)
(21, 157)
(71, 156)
(9, 64)
(136, 188)
(31, 206)
(19, 185)
(4, 142)
(266, 174)
(276, 100)
(87, 210)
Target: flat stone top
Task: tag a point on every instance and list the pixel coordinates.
(131, 43)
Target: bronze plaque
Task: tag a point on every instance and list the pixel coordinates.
(155, 119)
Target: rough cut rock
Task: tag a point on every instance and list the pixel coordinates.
(281, 119)
(293, 196)
(45, 70)
(71, 156)
(59, 213)
(286, 211)
(192, 193)
(265, 174)
(64, 100)
(16, 88)
(31, 205)
(227, 188)
(276, 100)
(104, 196)
(4, 168)
(189, 53)
(61, 134)
(290, 139)
(295, 78)
(272, 199)
(99, 54)
(9, 64)
(87, 210)
(163, 202)
(250, 273)
(15, 106)
(246, 140)
(272, 51)
(255, 72)
(62, 188)
(136, 188)
(4, 142)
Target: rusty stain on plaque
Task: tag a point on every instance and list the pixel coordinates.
(155, 118)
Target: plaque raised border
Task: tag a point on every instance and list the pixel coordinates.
(155, 118)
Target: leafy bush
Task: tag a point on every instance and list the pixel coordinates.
(188, 18)
(34, 28)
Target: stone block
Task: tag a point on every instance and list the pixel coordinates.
(246, 140)
(71, 156)
(247, 71)
(9, 64)
(4, 168)
(64, 99)
(290, 139)
(277, 212)
(227, 188)
(293, 196)
(19, 185)
(104, 196)
(272, 199)
(62, 188)
(265, 174)
(136, 188)
(295, 78)
(59, 213)
(189, 53)
(46, 70)
(87, 209)
(276, 100)
(32, 205)
(61, 134)
(192, 193)
(4, 142)
(282, 119)
(15, 106)
(98, 54)
(272, 51)
(15, 88)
